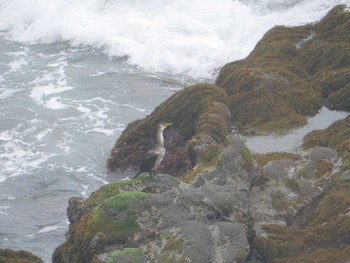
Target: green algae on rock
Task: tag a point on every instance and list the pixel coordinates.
(11, 256)
(125, 255)
(292, 208)
(105, 219)
(144, 220)
(198, 111)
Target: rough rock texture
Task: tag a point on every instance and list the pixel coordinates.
(198, 112)
(227, 207)
(236, 211)
(167, 220)
(336, 136)
(254, 95)
(310, 63)
(11, 256)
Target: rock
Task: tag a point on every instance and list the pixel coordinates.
(322, 232)
(9, 256)
(226, 208)
(143, 220)
(227, 214)
(206, 120)
(335, 136)
(304, 62)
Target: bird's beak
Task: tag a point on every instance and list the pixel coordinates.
(168, 124)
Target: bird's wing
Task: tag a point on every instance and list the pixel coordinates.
(149, 160)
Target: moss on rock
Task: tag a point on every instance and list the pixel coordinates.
(280, 83)
(116, 218)
(325, 229)
(109, 218)
(125, 255)
(264, 158)
(11, 256)
(263, 87)
(336, 136)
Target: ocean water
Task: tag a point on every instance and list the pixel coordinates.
(292, 141)
(74, 73)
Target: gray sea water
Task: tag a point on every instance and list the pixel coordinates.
(74, 73)
(61, 110)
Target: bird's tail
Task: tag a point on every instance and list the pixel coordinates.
(136, 175)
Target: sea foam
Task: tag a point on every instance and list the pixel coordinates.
(183, 37)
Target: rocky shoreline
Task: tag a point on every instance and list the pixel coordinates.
(214, 200)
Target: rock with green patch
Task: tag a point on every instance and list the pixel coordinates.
(124, 255)
(164, 220)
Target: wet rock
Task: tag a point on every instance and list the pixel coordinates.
(165, 219)
(8, 256)
(227, 208)
(335, 136)
(304, 62)
(206, 121)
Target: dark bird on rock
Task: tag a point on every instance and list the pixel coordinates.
(154, 157)
(192, 152)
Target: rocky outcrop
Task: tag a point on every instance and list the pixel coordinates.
(337, 136)
(167, 220)
(198, 112)
(226, 204)
(290, 75)
(236, 211)
(11, 256)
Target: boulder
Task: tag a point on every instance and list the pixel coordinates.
(198, 112)
(162, 220)
(11, 256)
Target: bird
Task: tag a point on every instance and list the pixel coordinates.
(154, 157)
(192, 152)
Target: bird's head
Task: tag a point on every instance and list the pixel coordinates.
(164, 125)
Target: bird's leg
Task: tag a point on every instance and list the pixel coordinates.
(136, 175)
(154, 176)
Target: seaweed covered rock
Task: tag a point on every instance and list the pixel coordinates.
(289, 74)
(198, 112)
(318, 233)
(228, 208)
(290, 208)
(327, 58)
(286, 185)
(144, 220)
(337, 136)
(11, 256)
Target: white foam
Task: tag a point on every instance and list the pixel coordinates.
(3, 209)
(48, 229)
(85, 192)
(193, 37)
(42, 134)
(7, 93)
(16, 65)
(5, 136)
(54, 104)
(108, 132)
(39, 94)
(97, 74)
